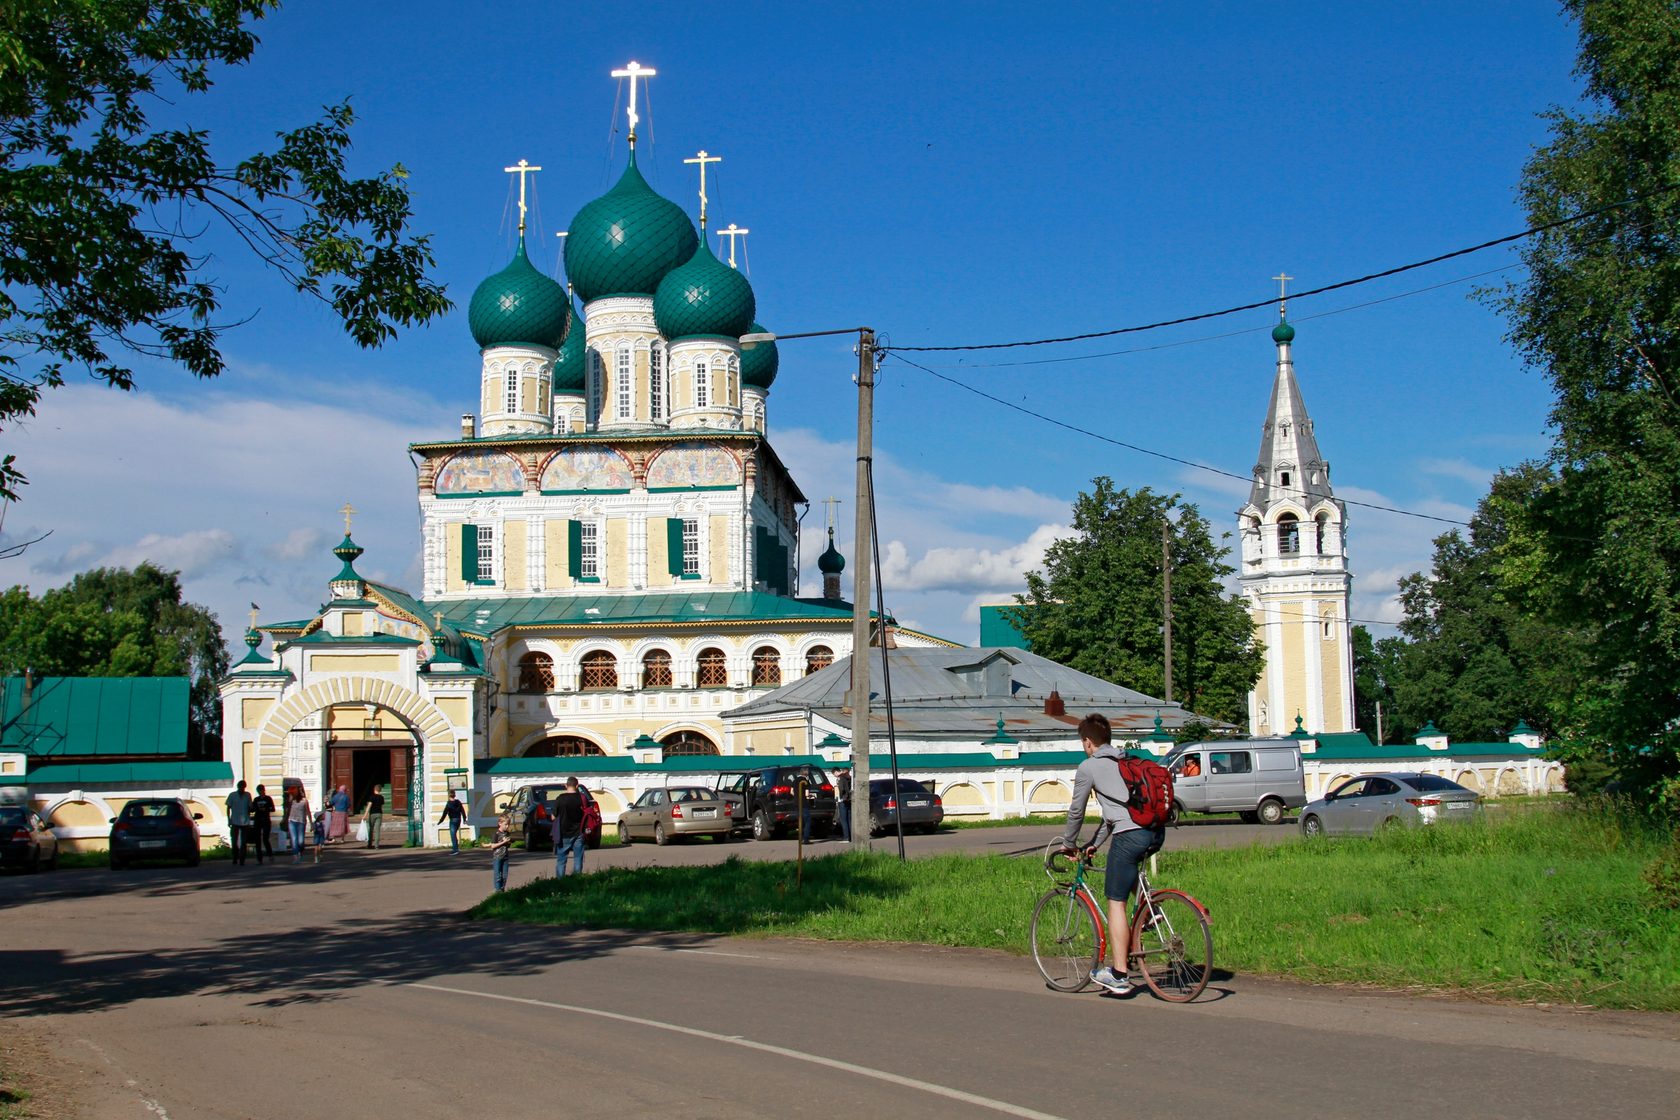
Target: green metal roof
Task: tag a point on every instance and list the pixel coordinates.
(130, 773)
(486, 616)
(322, 638)
(759, 362)
(624, 242)
(1351, 746)
(703, 297)
(569, 366)
(88, 717)
(519, 305)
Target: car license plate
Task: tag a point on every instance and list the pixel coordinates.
(921, 804)
(705, 812)
(1460, 806)
(154, 843)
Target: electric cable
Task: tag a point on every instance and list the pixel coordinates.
(1531, 231)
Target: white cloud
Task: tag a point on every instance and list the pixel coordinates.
(968, 569)
(1461, 469)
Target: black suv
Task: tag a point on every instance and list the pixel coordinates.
(531, 815)
(770, 799)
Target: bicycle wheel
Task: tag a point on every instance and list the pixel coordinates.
(1066, 939)
(1172, 946)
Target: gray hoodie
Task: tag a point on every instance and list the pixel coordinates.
(1099, 773)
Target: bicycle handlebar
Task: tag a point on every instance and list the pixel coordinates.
(1053, 852)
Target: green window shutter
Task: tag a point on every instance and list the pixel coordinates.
(574, 548)
(469, 553)
(674, 545)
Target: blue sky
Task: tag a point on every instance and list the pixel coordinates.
(946, 173)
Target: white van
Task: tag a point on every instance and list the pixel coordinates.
(1257, 778)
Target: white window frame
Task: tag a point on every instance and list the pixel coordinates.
(691, 546)
(486, 553)
(513, 388)
(597, 373)
(623, 363)
(656, 383)
(734, 381)
(589, 550)
(702, 371)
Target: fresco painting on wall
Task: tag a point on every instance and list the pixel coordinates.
(480, 472)
(586, 469)
(686, 466)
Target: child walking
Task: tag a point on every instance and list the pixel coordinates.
(499, 851)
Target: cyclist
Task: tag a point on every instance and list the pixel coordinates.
(1131, 845)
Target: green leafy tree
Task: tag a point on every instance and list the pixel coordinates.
(1375, 667)
(1097, 606)
(1474, 660)
(100, 211)
(113, 622)
(1599, 312)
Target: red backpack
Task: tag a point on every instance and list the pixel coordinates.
(1149, 791)
(591, 813)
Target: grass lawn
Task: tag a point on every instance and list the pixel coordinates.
(1543, 905)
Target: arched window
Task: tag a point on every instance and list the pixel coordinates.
(563, 746)
(734, 380)
(1323, 520)
(536, 673)
(656, 382)
(702, 375)
(512, 389)
(767, 667)
(1283, 479)
(656, 669)
(622, 381)
(819, 658)
(713, 670)
(595, 375)
(1289, 535)
(687, 743)
(600, 671)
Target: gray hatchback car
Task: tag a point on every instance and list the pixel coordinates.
(1361, 806)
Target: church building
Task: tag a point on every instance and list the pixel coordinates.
(611, 547)
(1294, 572)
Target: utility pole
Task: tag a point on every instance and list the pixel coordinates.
(861, 552)
(1379, 724)
(1166, 603)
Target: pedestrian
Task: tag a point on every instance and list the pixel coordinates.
(262, 826)
(843, 805)
(375, 816)
(567, 829)
(297, 819)
(338, 822)
(499, 852)
(239, 821)
(455, 813)
(322, 823)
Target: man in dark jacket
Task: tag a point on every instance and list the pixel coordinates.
(567, 830)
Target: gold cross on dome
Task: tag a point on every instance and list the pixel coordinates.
(732, 232)
(702, 157)
(634, 71)
(831, 503)
(1283, 280)
(348, 511)
(254, 610)
(522, 169)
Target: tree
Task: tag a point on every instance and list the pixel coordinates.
(99, 212)
(1097, 605)
(1474, 661)
(112, 622)
(1375, 667)
(1599, 312)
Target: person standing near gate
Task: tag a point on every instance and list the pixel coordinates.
(499, 852)
(843, 804)
(262, 823)
(455, 813)
(375, 816)
(297, 820)
(567, 830)
(239, 821)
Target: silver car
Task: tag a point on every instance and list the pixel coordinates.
(1361, 806)
(667, 814)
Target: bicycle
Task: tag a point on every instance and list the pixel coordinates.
(1172, 935)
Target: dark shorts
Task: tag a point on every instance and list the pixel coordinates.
(1125, 852)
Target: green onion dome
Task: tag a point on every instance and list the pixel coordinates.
(1282, 333)
(831, 563)
(703, 297)
(625, 242)
(568, 367)
(519, 306)
(758, 364)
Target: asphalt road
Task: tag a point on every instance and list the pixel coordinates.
(353, 987)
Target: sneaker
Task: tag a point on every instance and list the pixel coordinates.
(1113, 981)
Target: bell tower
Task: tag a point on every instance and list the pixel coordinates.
(1294, 572)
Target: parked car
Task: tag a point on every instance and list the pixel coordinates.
(1361, 806)
(154, 828)
(668, 814)
(531, 815)
(25, 839)
(769, 799)
(1258, 779)
(913, 803)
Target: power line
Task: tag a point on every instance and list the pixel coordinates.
(1544, 227)
(1156, 454)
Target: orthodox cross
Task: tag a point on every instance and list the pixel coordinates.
(254, 610)
(348, 511)
(633, 71)
(1283, 280)
(437, 621)
(732, 233)
(702, 158)
(831, 503)
(521, 169)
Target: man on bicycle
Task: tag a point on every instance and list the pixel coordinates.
(1131, 845)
